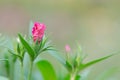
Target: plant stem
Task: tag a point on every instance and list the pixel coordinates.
(22, 71)
(73, 74)
(11, 75)
(72, 77)
(30, 72)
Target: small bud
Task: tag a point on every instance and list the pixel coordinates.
(67, 48)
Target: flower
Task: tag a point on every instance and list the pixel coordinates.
(38, 31)
(67, 48)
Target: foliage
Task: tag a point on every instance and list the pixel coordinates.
(25, 52)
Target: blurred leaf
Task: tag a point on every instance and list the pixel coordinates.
(7, 64)
(45, 49)
(47, 70)
(84, 74)
(67, 77)
(3, 59)
(44, 41)
(109, 73)
(18, 48)
(78, 77)
(77, 61)
(3, 78)
(43, 46)
(69, 66)
(58, 57)
(79, 49)
(27, 47)
(83, 66)
(30, 28)
(3, 40)
(10, 51)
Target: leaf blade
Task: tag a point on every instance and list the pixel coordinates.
(27, 46)
(83, 66)
(56, 55)
(45, 67)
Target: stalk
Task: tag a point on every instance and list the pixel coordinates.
(30, 72)
(72, 77)
(22, 71)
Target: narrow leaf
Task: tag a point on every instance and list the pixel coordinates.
(45, 39)
(3, 59)
(56, 55)
(45, 49)
(10, 51)
(18, 48)
(69, 66)
(83, 66)
(109, 73)
(47, 70)
(27, 47)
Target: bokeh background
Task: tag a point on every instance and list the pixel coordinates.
(94, 24)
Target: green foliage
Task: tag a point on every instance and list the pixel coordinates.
(107, 74)
(83, 66)
(75, 65)
(2, 40)
(47, 70)
(69, 66)
(20, 57)
(29, 49)
(58, 57)
(3, 59)
(42, 46)
(73, 62)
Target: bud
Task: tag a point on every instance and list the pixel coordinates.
(67, 48)
(38, 31)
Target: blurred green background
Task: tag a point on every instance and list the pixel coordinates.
(94, 24)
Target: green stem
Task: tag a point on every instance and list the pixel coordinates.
(30, 72)
(22, 71)
(72, 77)
(73, 74)
(11, 75)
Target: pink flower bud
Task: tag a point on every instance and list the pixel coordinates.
(38, 31)
(67, 48)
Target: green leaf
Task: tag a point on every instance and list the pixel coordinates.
(67, 77)
(27, 47)
(47, 70)
(56, 55)
(18, 48)
(83, 66)
(44, 41)
(109, 73)
(30, 27)
(69, 66)
(45, 49)
(77, 77)
(10, 51)
(3, 40)
(3, 59)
